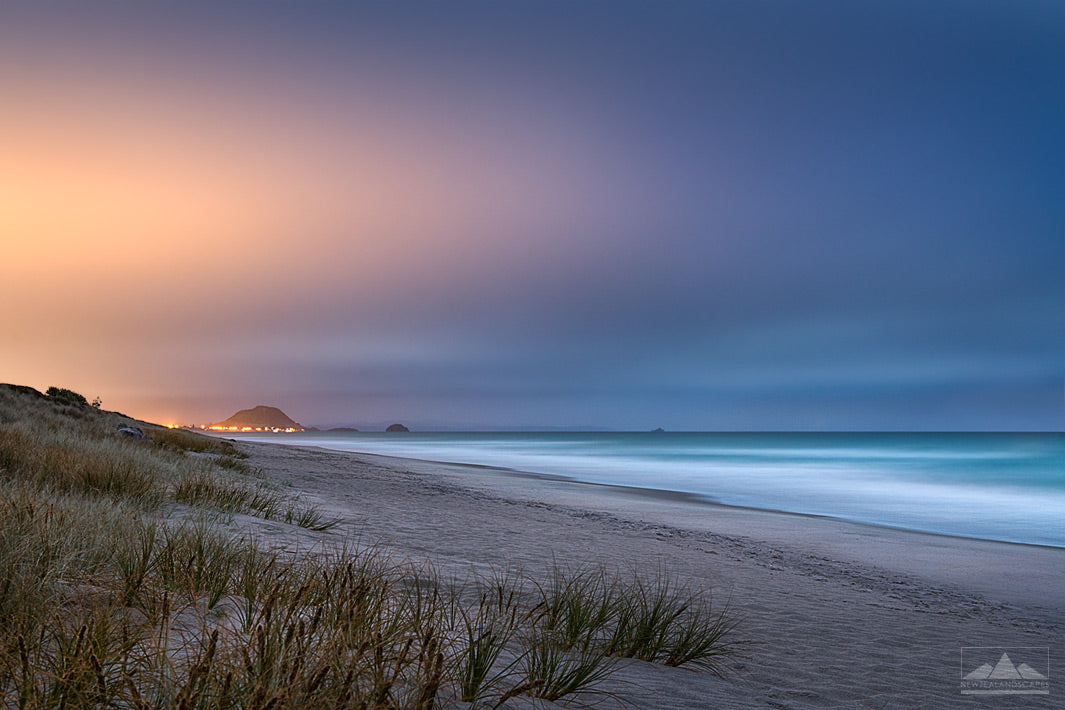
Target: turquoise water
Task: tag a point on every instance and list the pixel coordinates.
(1008, 487)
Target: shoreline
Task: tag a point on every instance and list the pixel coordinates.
(834, 613)
(707, 497)
(678, 496)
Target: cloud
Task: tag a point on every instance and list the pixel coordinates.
(690, 215)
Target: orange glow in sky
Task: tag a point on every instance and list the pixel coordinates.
(155, 222)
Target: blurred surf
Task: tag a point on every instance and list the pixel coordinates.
(998, 486)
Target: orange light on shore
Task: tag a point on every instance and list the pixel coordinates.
(275, 430)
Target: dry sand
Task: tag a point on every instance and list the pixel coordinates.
(834, 614)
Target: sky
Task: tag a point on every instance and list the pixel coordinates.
(717, 215)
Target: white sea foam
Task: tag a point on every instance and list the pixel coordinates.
(997, 486)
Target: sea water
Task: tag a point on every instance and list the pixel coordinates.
(999, 486)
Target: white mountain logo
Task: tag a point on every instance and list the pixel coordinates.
(1005, 670)
(1005, 677)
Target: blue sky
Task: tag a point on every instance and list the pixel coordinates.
(713, 215)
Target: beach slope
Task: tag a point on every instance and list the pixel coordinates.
(832, 614)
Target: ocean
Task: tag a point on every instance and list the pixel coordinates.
(998, 486)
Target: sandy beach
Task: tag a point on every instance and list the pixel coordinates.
(833, 614)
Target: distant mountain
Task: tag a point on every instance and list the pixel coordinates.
(260, 417)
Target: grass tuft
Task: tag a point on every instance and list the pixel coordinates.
(486, 632)
(310, 517)
(579, 606)
(663, 621)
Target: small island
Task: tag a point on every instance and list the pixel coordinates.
(396, 428)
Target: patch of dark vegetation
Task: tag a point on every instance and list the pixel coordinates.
(64, 395)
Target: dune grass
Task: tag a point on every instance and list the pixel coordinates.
(63, 461)
(660, 620)
(107, 600)
(485, 631)
(182, 440)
